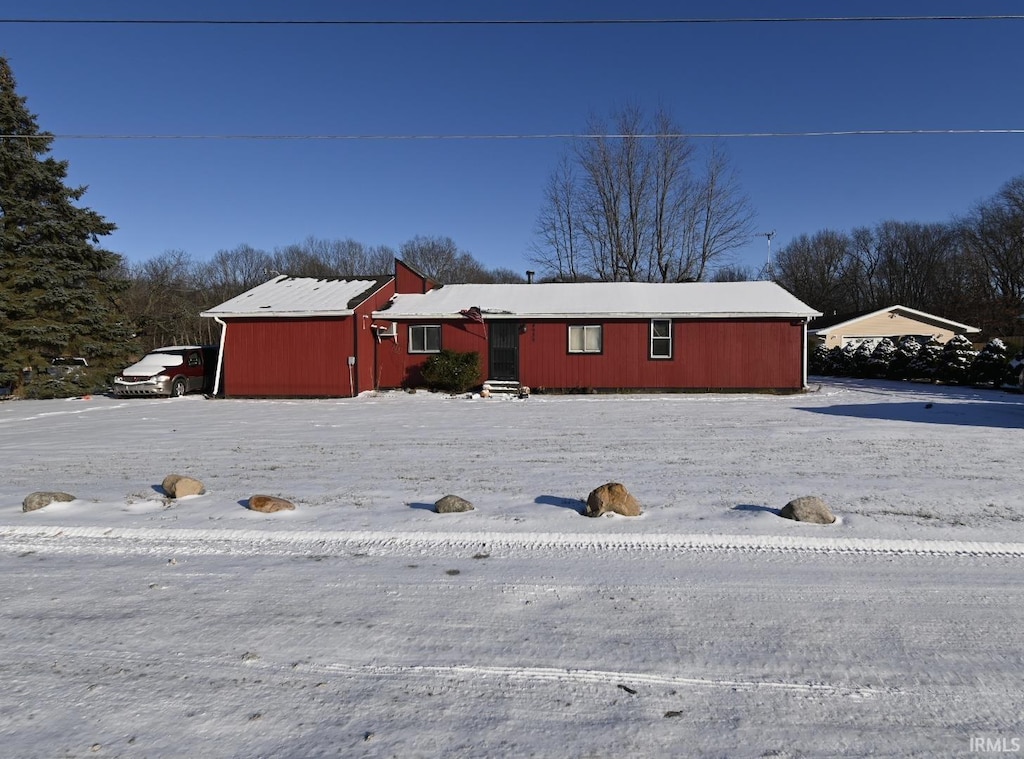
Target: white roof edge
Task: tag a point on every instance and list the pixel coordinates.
(398, 316)
(279, 314)
(964, 327)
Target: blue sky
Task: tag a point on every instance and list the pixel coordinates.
(201, 196)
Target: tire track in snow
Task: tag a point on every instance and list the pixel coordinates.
(469, 672)
(337, 542)
(599, 677)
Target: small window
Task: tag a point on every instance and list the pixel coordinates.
(585, 338)
(195, 359)
(661, 338)
(425, 338)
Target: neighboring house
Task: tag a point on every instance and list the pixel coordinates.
(303, 337)
(600, 335)
(300, 337)
(893, 322)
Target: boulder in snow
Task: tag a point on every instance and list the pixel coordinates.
(42, 498)
(808, 508)
(268, 504)
(179, 486)
(612, 498)
(452, 504)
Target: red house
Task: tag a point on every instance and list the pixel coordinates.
(302, 337)
(299, 337)
(601, 335)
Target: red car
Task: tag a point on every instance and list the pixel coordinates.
(172, 371)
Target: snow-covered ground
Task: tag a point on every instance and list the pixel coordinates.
(364, 624)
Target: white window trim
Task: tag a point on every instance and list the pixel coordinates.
(667, 338)
(425, 326)
(585, 328)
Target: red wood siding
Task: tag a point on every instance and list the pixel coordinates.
(399, 368)
(365, 338)
(706, 354)
(288, 357)
(409, 281)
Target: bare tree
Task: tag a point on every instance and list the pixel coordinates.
(815, 270)
(993, 235)
(627, 205)
(440, 259)
(231, 272)
(558, 246)
(164, 301)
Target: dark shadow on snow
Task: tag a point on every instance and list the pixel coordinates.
(421, 506)
(754, 507)
(244, 503)
(159, 490)
(998, 415)
(563, 503)
(936, 392)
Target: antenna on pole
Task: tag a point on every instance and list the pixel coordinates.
(768, 264)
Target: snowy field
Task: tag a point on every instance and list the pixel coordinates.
(364, 624)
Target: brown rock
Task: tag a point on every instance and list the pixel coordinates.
(42, 498)
(452, 504)
(612, 498)
(808, 508)
(179, 486)
(268, 504)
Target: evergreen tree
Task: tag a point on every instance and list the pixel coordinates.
(881, 357)
(57, 288)
(926, 363)
(955, 363)
(906, 351)
(820, 362)
(990, 366)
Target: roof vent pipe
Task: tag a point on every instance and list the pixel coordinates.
(529, 277)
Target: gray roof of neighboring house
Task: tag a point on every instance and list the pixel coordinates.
(602, 299)
(300, 296)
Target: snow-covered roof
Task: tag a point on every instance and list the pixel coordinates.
(830, 324)
(602, 299)
(300, 296)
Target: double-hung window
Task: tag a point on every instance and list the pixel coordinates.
(661, 338)
(584, 338)
(425, 338)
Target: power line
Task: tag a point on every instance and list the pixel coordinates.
(508, 21)
(498, 137)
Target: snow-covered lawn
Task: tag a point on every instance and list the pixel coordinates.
(364, 624)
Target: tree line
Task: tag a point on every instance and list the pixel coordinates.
(970, 270)
(165, 294)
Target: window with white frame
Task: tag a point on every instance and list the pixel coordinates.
(584, 338)
(425, 338)
(661, 338)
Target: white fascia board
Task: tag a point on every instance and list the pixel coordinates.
(276, 314)
(398, 316)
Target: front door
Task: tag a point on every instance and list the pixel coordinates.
(504, 338)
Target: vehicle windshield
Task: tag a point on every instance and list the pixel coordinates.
(154, 362)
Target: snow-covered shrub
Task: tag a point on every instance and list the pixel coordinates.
(841, 360)
(1014, 369)
(990, 365)
(926, 363)
(880, 358)
(906, 351)
(819, 362)
(955, 361)
(860, 358)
